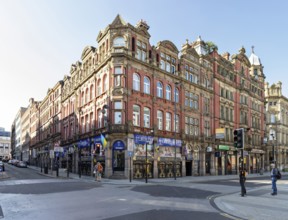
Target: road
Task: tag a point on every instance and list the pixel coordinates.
(29, 195)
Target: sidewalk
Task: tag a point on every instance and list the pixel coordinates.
(259, 204)
(63, 174)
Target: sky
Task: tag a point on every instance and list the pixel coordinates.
(40, 40)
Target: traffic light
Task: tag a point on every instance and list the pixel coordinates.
(239, 138)
(97, 148)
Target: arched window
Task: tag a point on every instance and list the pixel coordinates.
(159, 90)
(176, 95)
(136, 115)
(105, 83)
(119, 42)
(146, 117)
(99, 88)
(168, 121)
(86, 95)
(168, 92)
(99, 118)
(146, 85)
(82, 98)
(160, 119)
(91, 92)
(136, 82)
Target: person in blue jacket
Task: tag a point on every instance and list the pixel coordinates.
(274, 172)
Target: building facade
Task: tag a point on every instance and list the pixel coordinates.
(151, 111)
(5, 144)
(276, 126)
(16, 136)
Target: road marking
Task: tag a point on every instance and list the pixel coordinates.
(229, 216)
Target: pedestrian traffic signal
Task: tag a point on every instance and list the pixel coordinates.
(239, 138)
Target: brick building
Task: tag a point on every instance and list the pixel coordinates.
(152, 103)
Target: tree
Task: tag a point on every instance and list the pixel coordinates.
(210, 46)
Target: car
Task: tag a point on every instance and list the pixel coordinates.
(14, 162)
(2, 167)
(22, 164)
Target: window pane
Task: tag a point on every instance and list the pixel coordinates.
(146, 85)
(118, 105)
(168, 92)
(119, 42)
(118, 70)
(118, 117)
(146, 117)
(136, 82)
(136, 115)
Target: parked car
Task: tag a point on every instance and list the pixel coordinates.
(10, 162)
(21, 164)
(2, 166)
(15, 162)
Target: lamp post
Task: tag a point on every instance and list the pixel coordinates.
(146, 162)
(273, 150)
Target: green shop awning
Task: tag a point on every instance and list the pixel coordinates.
(224, 147)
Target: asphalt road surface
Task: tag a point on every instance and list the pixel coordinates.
(29, 195)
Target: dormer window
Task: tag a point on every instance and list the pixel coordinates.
(141, 50)
(119, 42)
(255, 72)
(167, 63)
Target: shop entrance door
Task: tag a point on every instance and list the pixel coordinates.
(118, 160)
(188, 168)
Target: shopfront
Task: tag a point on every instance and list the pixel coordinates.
(118, 156)
(84, 154)
(98, 151)
(143, 151)
(169, 154)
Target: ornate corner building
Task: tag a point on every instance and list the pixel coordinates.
(276, 126)
(151, 111)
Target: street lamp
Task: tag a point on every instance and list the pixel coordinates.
(146, 154)
(175, 116)
(273, 150)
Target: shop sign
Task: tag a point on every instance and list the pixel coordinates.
(84, 143)
(169, 142)
(118, 145)
(223, 147)
(97, 139)
(143, 139)
(220, 133)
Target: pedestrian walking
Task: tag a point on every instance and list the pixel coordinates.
(242, 180)
(98, 169)
(274, 172)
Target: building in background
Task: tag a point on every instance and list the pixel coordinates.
(5, 144)
(16, 136)
(276, 126)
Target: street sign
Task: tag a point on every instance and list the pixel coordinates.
(130, 153)
(220, 133)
